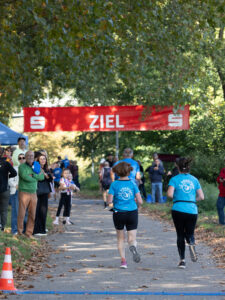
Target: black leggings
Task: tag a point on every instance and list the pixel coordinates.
(41, 214)
(66, 201)
(185, 227)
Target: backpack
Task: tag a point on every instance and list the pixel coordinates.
(106, 177)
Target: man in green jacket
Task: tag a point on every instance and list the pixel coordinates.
(27, 194)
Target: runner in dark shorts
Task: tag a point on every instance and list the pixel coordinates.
(124, 193)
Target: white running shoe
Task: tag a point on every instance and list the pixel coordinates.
(56, 222)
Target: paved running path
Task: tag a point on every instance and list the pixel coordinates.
(88, 260)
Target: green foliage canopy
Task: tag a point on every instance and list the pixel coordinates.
(121, 52)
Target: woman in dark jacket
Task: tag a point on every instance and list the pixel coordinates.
(43, 191)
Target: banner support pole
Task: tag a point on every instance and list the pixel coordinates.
(92, 163)
(117, 143)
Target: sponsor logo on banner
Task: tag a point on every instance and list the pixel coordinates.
(175, 120)
(37, 121)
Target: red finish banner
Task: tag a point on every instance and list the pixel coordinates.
(105, 118)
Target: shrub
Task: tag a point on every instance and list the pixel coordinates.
(211, 193)
(90, 183)
(205, 168)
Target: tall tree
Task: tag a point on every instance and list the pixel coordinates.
(121, 52)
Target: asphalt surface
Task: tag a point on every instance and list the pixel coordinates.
(86, 259)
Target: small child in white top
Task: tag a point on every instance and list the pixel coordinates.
(66, 188)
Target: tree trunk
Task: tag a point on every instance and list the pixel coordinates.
(220, 71)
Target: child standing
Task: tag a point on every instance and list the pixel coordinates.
(124, 193)
(66, 188)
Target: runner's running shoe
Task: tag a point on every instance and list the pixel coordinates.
(56, 222)
(123, 264)
(182, 264)
(193, 253)
(136, 255)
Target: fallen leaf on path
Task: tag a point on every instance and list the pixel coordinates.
(89, 272)
(73, 270)
(150, 253)
(57, 251)
(92, 255)
(144, 286)
(48, 276)
(83, 265)
(155, 278)
(144, 269)
(68, 256)
(48, 266)
(62, 275)
(30, 286)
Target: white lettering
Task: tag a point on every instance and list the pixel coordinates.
(95, 117)
(101, 121)
(118, 122)
(175, 120)
(109, 120)
(105, 121)
(37, 122)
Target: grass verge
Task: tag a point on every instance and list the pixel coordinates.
(28, 255)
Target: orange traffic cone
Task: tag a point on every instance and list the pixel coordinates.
(6, 280)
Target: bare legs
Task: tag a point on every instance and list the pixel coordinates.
(131, 238)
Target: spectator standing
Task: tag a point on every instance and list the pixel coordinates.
(65, 163)
(134, 175)
(6, 171)
(185, 190)
(142, 181)
(221, 198)
(110, 159)
(175, 170)
(43, 190)
(21, 149)
(8, 155)
(28, 180)
(13, 186)
(106, 180)
(74, 169)
(156, 172)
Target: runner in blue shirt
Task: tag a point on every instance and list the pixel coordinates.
(135, 174)
(125, 195)
(184, 188)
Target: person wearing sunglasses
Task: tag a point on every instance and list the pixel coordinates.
(14, 200)
(21, 149)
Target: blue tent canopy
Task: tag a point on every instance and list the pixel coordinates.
(9, 136)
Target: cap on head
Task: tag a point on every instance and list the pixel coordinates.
(102, 161)
(21, 138)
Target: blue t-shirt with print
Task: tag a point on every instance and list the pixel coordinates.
(57, 174)
(185, 187)
(134, 164)
(124, 192)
